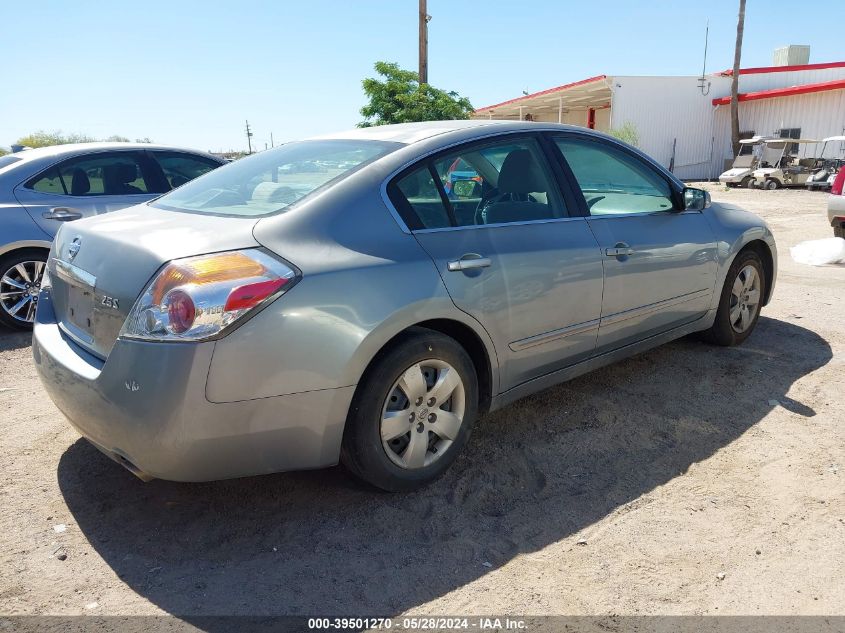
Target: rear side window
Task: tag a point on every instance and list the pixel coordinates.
(419, 194)
(48, 182)
(100, 174)
(614, 182)
(507, 182)
(180, 168)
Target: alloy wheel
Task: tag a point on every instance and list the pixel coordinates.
(423, 414)
(745, 299)
(19, 288)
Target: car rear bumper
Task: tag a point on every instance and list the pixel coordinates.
(146, 408)
(836, 209)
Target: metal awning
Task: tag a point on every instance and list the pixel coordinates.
(580, 95)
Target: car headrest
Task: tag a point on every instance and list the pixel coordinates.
(125, 172)
(520, 173)
(79, 183)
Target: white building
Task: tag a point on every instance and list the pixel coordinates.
(684, 123)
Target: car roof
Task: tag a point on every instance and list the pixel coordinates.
(409, 133)
(81, 148)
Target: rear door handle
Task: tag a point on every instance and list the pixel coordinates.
(469, 262)
(63, 214)
(620, 250)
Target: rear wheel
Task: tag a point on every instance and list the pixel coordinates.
(412, 413)
(740, 302)
(20, 282)
(771, 184)
(746, 182)
(839, 229)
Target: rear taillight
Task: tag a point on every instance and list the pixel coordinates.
(197, 298)
(838, 182)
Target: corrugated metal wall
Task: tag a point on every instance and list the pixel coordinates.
(767, 81)
(818, 115)
(669, 111)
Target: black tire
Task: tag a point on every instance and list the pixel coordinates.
(722, 332)
(746, 182)
(7, 264)
(839, 229)
(362, 451)
(771, 184)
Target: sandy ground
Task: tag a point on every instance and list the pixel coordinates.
(627, 491)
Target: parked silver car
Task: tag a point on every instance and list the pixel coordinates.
(42, 188)
(265, 317)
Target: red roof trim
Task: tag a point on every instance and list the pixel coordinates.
(783, 69)
(785, 92)
(544, 92)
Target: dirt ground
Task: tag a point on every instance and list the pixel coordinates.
(687, 480)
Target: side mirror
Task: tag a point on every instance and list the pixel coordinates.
(695, 199)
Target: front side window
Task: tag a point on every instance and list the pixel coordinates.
(180, 168)
(497, 183)
(614, 182)
(272, 180)
(100, 174)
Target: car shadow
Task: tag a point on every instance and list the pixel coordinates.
(540, 470)
(13, 339)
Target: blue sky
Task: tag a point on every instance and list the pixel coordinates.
(187, 72)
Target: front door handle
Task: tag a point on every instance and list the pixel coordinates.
(469, 261)
(63, 214)
(620, 250)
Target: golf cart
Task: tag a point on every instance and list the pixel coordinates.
(752, 152)
(823, 177)
(787, 170)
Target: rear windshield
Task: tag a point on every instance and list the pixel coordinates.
(7, 160)
(272, 180)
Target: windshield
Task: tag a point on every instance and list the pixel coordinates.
(273, 180)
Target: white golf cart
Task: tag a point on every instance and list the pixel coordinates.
(752, 152)
(830, 162)
(787, 170)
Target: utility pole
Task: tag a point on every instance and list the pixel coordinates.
(248, 137)
(740, 26)
(271, 140)
(424, 18)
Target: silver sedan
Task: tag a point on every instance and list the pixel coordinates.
(365, 296)
(42, 188)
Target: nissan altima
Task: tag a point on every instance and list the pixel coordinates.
(269, 317)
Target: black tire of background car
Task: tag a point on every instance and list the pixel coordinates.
(7, 261)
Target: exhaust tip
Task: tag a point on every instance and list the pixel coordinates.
(132, 468)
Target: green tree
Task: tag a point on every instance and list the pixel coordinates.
(398, 97)
(627, 133)
(46, 139)
(3, 151)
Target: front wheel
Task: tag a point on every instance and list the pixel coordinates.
(412, 412)
(20, 282)
(740, 302)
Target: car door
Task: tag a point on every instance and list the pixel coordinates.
(508, 251)
(659, 260)
(85, 185)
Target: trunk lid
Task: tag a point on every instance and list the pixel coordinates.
(99, 266)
